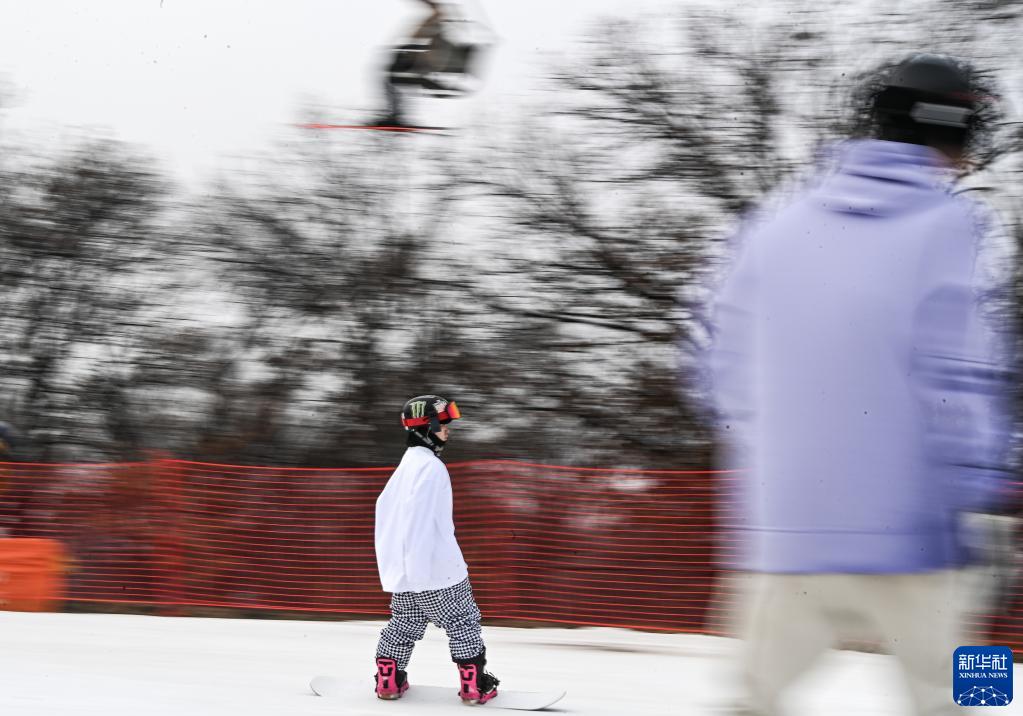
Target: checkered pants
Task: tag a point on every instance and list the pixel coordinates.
(453, 609)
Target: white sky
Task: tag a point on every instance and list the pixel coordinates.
(197, 80)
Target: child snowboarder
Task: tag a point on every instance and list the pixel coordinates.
(420, 561)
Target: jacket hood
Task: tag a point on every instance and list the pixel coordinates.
(879, 178)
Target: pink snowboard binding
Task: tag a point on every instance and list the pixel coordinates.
(476, 686)
(391, 682)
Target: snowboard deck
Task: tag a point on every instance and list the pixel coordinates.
(378, 128)
(362, 693)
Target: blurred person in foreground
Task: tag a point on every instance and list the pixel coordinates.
(421, 563)
(857, 385)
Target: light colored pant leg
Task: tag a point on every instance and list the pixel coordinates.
(920, 619)
(785, 631)
(792, 619)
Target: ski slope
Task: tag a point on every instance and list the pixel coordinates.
(119, 665)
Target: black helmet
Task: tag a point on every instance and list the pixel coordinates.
(926, 99)
(422, 417)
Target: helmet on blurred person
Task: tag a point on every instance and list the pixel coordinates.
(422, 417)
(928, 99)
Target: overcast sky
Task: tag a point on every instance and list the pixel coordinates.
(197, 80)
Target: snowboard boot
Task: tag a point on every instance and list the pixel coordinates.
(391, 681)
(476, 686)
(388, 120)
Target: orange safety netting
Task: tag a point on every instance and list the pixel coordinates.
(620, 548)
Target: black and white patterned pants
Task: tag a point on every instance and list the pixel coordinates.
(453, 609)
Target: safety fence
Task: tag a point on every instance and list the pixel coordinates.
(545, 544)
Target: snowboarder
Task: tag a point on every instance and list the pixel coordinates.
(421, 563)
(437, 58)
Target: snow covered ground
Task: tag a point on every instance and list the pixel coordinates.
(117, 665)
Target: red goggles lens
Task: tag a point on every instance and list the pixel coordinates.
(452, 412)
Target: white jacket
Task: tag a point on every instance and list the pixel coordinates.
(415, 533)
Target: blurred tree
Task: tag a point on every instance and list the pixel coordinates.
(611, 205)
(332, 267)
(286, 318)
(77, 237)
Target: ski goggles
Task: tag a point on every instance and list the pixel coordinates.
(451, 412)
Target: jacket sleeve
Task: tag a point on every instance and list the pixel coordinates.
(444, 508)
(431, 497)
(962, 366)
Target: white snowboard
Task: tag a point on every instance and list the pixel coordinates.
(331, 687)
